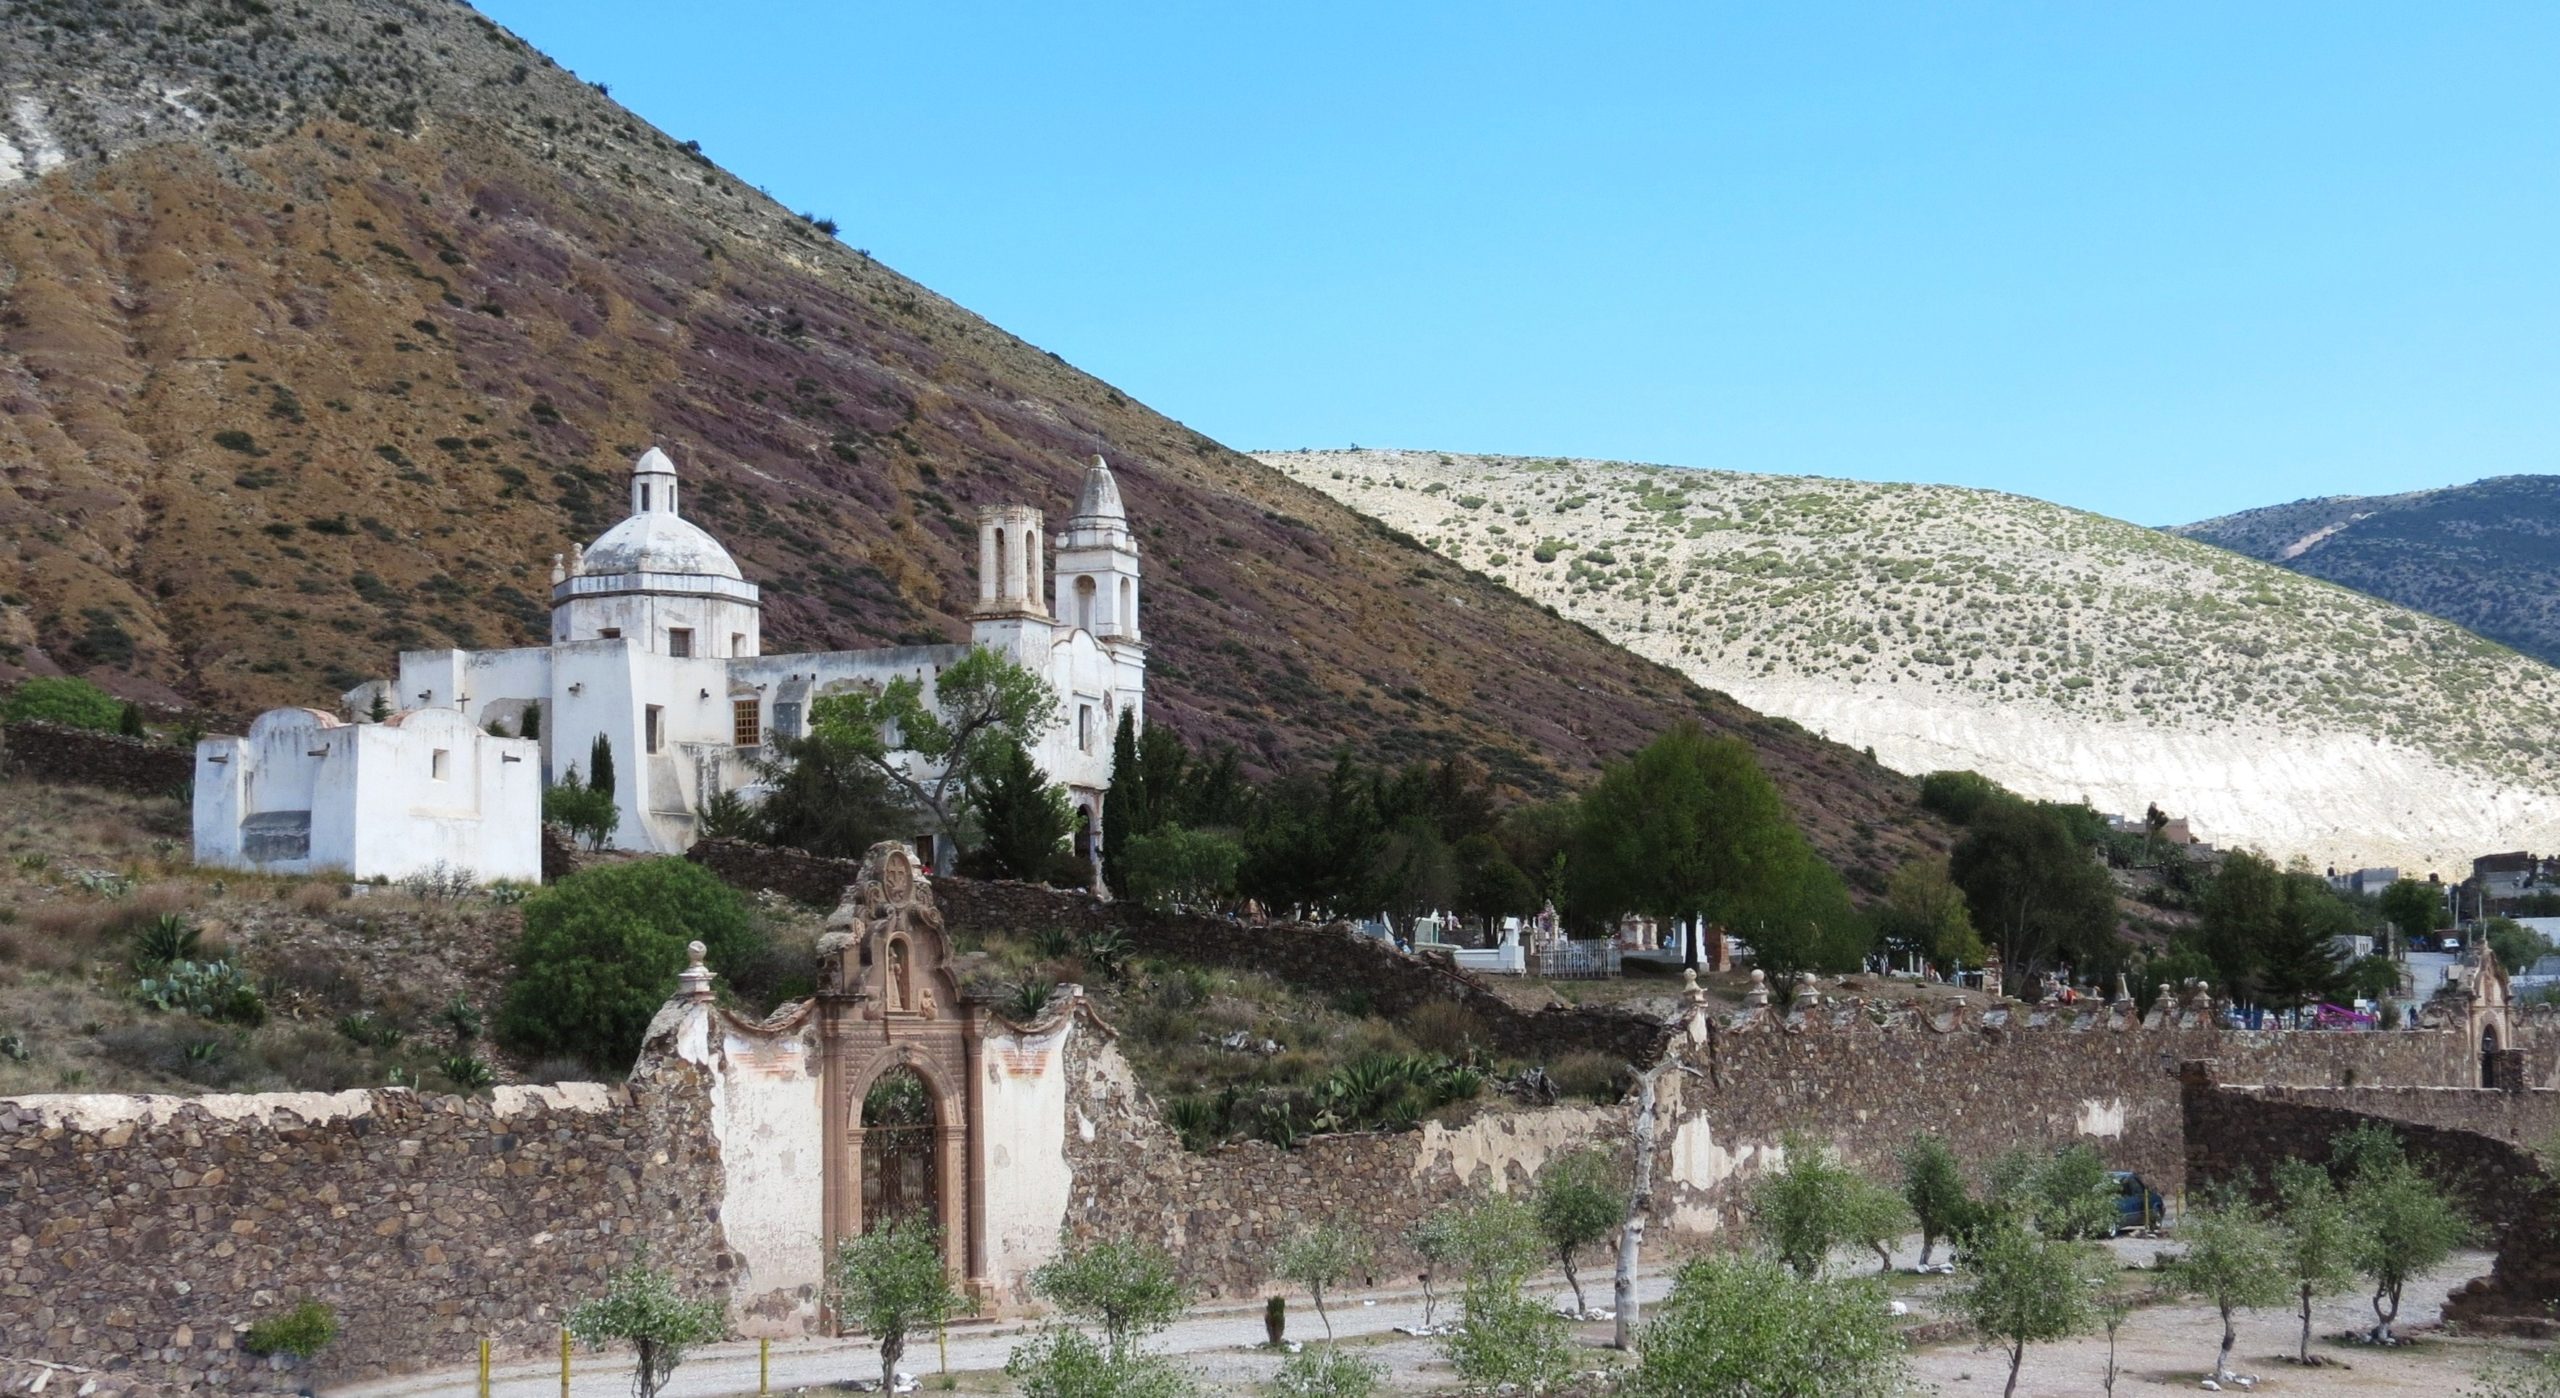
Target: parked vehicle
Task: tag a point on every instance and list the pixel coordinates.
(2139, 1207)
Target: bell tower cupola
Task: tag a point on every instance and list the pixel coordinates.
(1097, 588)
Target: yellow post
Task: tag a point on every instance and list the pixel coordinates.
(764, 1367)
(564, 1361)
(484, 1366)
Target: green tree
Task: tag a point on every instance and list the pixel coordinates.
(1124, 805)
(1490, 886)
(2319, 1237)
(1504, 1336)
(1689, 827)
(2414, 909)
(2069, 1195)
(1933, 1189)
(2035, 892)
(642, 1308)
(824, 797)
(1812, 1205)
(2404, 1224)
(2299, 963)
(2233, 1257)
(63, 699)
(1023, 820)
(129, 721)
(1170, 865)
(1130, 1289)
(1925, 915)
(600, 765)
(581, 810)
(1960, 796)
(891, 1281)
(2375, 978)
(2028, 1289)
(1580, 1198)
(2516, 945)
(1750, 1325)
(1440, 1239)
(980, 702)
(380, 708)
(601, 950)
(1318, 1258)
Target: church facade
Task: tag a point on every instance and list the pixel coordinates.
(656, 648)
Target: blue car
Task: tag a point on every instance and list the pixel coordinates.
(2138, 1205)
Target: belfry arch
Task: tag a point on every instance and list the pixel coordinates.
(893, 1029)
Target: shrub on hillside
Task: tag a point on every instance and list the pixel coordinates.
(65, 700)
(1959, 796)
(601, 950)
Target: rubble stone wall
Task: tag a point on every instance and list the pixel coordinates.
(142, 1235)
(50, 752)
(1328, 958)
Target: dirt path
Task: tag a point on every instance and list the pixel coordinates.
(2160, 1348)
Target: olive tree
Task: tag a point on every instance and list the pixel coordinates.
(1580, 1201)
(1318, 1258)
(1128, 1288)
(2027, 1289)
(1933, 1189)
(1752, 1325)
(2403, 1224)
(642, 1308)
(1505, 1337)
(2319, 1238)
(981, 702)
(1812, 1205)
(1440, 1240)
(891, 1281)
(2235, 1258)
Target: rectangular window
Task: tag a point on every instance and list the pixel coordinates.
(786, 718)
(746, 730)
(680, 642)
(438, 764)
(657, 727)
(610, 633)
(737, 643)
(1084, 727)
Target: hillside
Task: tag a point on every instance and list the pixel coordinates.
(2068, 655)
(318, 339)
(2484, 556)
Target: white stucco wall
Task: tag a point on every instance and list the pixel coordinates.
(372, 800)
(767, 1111)
(1022, 1150)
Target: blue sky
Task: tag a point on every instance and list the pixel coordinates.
(2158, 260)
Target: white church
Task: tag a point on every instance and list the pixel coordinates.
(656, 647)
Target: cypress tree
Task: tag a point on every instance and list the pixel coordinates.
(381, 707)
(129, 721)
(600, 765)
(1124, 805)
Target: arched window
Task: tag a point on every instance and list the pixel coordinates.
(1084, 603)
(1127, 616)
(996, 584)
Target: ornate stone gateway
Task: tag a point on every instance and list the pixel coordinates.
(901, 1057)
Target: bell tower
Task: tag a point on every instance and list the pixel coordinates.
(1097, 589)
(1010, 566)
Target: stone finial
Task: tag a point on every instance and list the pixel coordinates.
(2124, 992)
(577, 560)
(559, 570)
(1690, 992)
(694, 983)
(1757, 997)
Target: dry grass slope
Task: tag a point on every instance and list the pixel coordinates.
(2067, 654)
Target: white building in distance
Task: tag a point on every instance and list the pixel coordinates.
(657, 647)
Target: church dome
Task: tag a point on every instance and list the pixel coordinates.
(656, 538)
(659, 541)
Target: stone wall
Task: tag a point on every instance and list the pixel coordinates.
(1330, 958)
(50, 752)
(140, 1235)
(2456, 1135)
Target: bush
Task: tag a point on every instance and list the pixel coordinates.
(1959, 796)
(1594, 1076)
(1752, 1325)
(1174, 866)
(582, 810)
(301, 1332)
(1447, 1028)
(65, 700)
(1326, 1372)
(601, 950)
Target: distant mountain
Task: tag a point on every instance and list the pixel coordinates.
(324, 326)
(2485, 555)
(2068, 655)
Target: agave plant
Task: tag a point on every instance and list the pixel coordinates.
(1029, 1000)
(467, 1072)
(162, 940)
